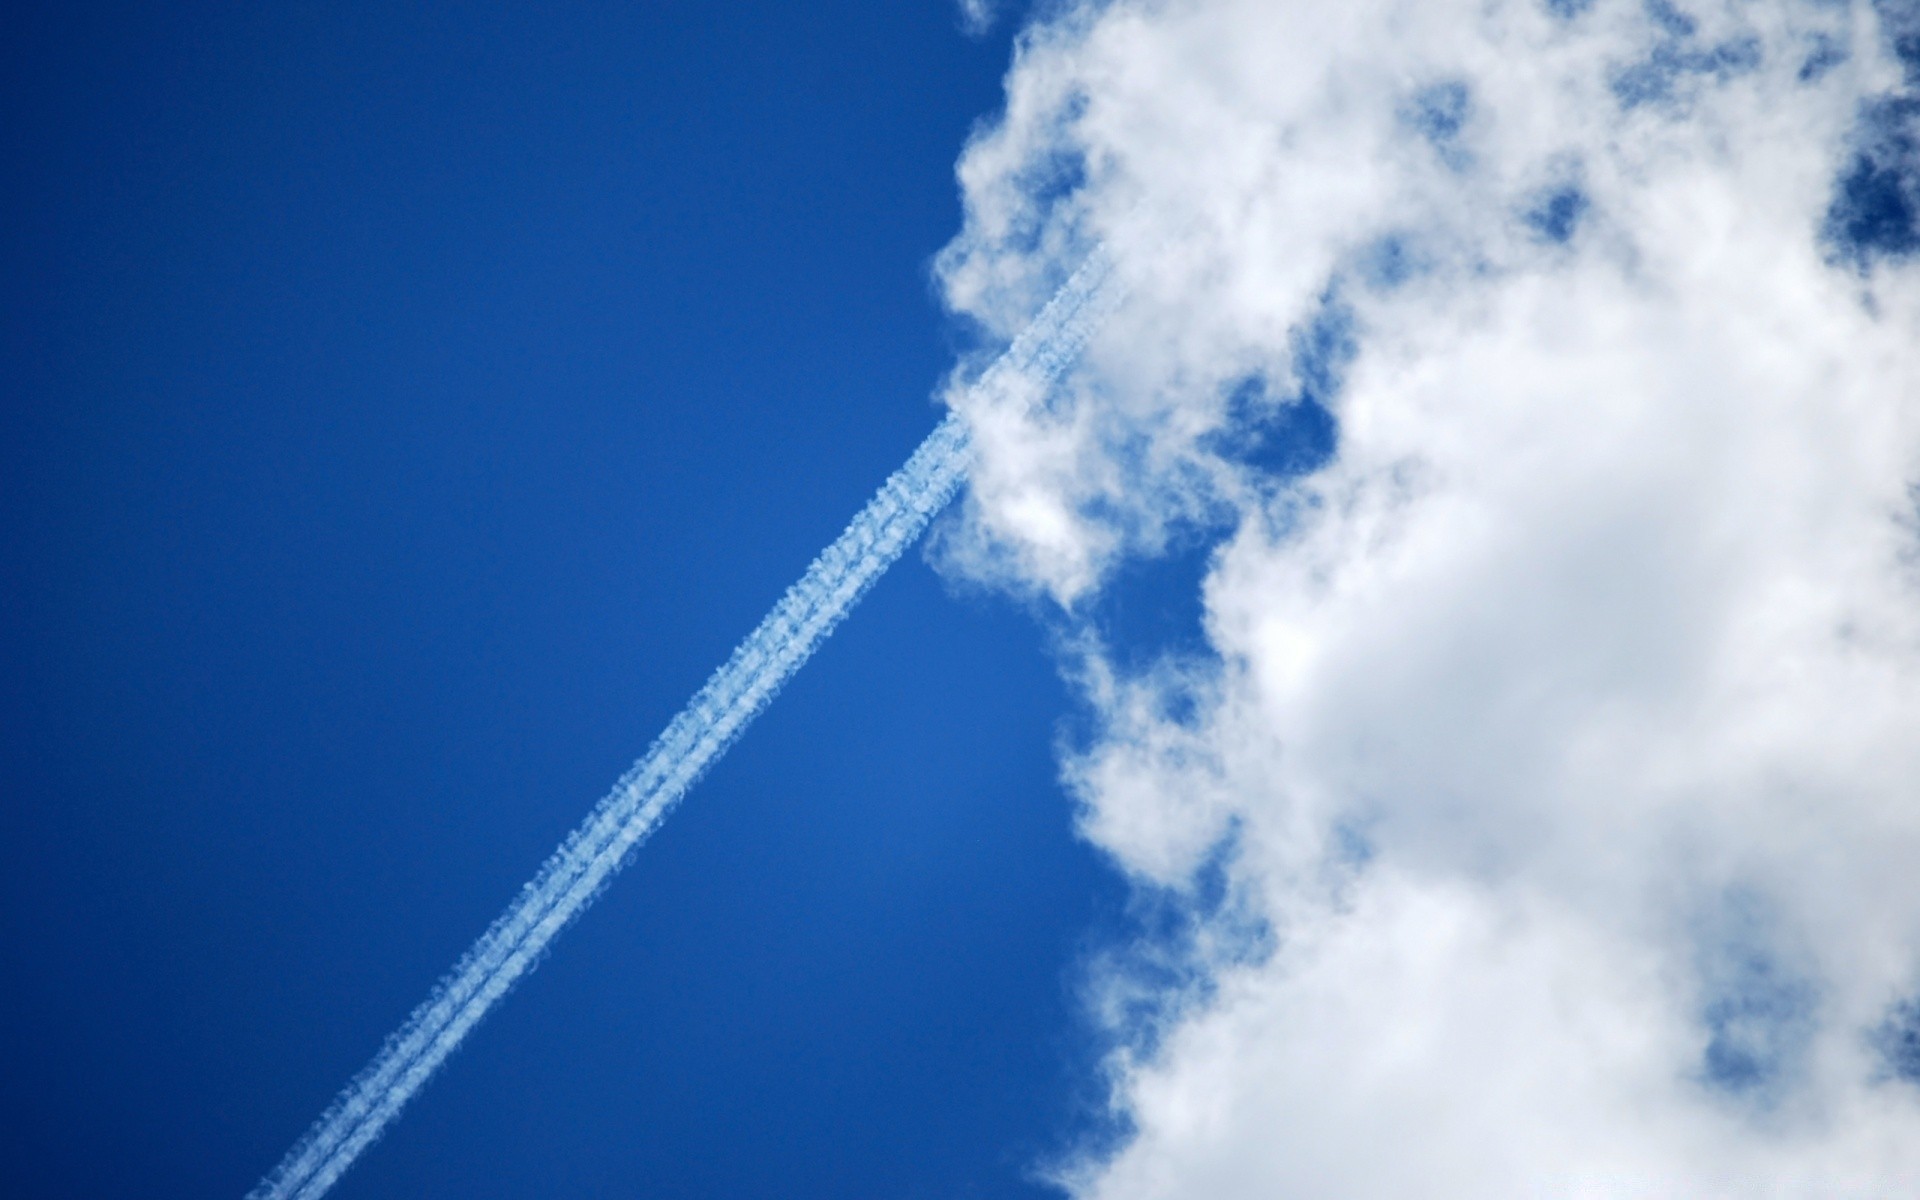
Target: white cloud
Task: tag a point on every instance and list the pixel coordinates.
(977, 16)
(1564, 726)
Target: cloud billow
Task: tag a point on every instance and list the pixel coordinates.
(1545, 378)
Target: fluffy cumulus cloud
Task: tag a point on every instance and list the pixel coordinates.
(1540, 381)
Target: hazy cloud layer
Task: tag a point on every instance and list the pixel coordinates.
(1547, 375)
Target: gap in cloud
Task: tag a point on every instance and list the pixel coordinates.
(1671, 20)
(1323, 348)
(1875, 211)
(1048, 184)
(1351, 845)
(1280, 438)
(1057, 175)
(1280, 435)
(1758, 1012)
(1439, 113)
(1567, 10)
(1153, 606)
(1676, 59)
(1387, 262)
(1556, 213)
(1153, 609)
(1897, 1041)
(1824, 53)
(1900, 24)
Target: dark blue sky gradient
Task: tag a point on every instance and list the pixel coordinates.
(404, 409)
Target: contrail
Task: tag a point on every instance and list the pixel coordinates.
(717, 715)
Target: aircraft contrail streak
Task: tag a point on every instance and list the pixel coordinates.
(717, 715)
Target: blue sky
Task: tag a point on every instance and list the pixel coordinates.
(405, 411)
(1439, 671)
